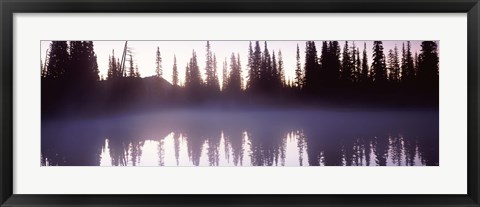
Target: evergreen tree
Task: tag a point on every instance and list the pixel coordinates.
(347, 69)
(250, 54)
(175, 72)
(225, 75)
(77, 63)
(137, 73)
(92, 65)
(234, 80)
(251, 69)
(358, 65)
(275, 74)
(428, 64)
(239, 65)
(395, 76)
(209, 68)
(410, 64)
(83, 63)
(158, 64)
(109, 71)
(311, 67)
(408, 69)
(416, 60)
(112, 67)
(95, 69)
(121, 72)
(353, 55)
(298, 71)
(379, 72)
(58, 59)
(325, 63)
(256, 62)
(365, 71)
(281, 69)
(132, 69)
(216, 84)
(195, 81)
(266, 69)
(334, 51)
(188, 76)
(390, 59)
(331, 64)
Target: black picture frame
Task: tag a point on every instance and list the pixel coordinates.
(10, 7)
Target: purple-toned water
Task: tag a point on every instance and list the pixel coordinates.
(246, 138)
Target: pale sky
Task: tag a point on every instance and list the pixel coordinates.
(144, 53)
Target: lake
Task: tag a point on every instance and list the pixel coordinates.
(309, 137)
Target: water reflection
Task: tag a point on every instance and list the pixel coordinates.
(245, 139)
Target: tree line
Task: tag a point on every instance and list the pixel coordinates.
(78, 60)
(323, 144)
(333, 71)
(75, 62)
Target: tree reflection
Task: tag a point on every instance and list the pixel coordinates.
(348, 151)
(176, 144)
(358, 152)
(410, 146)
(136, 151)
(194, 148)
(226, 147)
(380, 149)
(118, 152)
(161, 152)
(244, 141)
(213, 149)
(427, 150)
(266, 147)
(236, 141)
(397, 148)
(301, 145)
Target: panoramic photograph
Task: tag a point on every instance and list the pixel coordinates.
(240, 103)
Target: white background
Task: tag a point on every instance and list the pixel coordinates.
(449, 177)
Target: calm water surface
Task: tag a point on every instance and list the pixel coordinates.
(245, 138)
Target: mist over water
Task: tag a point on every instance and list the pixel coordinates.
(295, 137)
